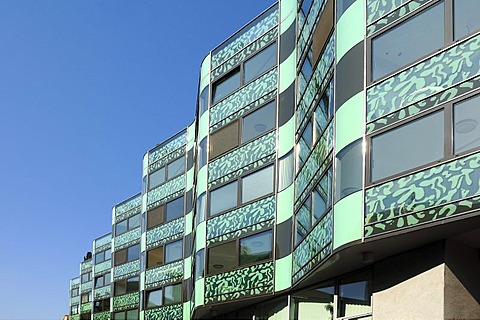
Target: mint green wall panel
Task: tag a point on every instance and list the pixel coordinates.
(283, 273)
(350, 28)
(350, 121)
(348, 219)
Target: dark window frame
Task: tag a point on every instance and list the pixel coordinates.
(103, 277)
(102, 253)
(162, 288)
(164, 250)
(125, 283)
(166, 175)
(126, 252)
(129, 228)
(104, 305)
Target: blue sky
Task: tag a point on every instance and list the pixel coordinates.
(86, 88)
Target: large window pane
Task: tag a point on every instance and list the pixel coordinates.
(257, 184)
(203, 101)
(261, 62)
(119, 316)
(226, 85)
(134, 222)
(120, 287)
(256, 248)
(173, 294)
(155, 217)
(409, 41)
(173, 251)
(466, 135)
(156, 178)
(199, 264)
(154, 298)
(176, 168)
(223, 198)
(407, 147)
(354, 296)
(155, 257)
(132, 284)
(222, 258)
(314, 304)
(121, 227)
(175, 209)
(202, 153)
(349, 170)
(465, 18)
(132, 315)
(133, 252)
(201, 207)
(259, 122)
(224, 140)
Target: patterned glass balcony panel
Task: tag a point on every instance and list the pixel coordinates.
(167, 151)
(128, 208)
(379, 8)
(126, 270)
(87, 286)
(240, 283)
(165, 233)
(102, 292)
(245, 36)
(252, 217)
(174, 311)
(127, 239)
(103, 243)
(164, 274)
(85, 307)
(314, 248)
(166, 192)
(102, 315)
(429, 195)
(127, 301)
(241, 160)
(102, 267)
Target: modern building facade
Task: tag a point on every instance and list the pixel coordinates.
(332, 171)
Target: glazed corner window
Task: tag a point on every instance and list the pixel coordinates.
(260, 63)
(200, 264)
(259, 122)
(202, 153)
(257, 184)
(175, 209)
(409, 41)
(203, 101)
(201, 207)
(466, 130)
(465, 17)
(156, 178)
(224, 140)
(223, 198)
(226, 85)
(176, 168)
(407, 147)
(155, 216)
(349, 170)
(256, 248)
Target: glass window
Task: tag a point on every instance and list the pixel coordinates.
(119, 316)
(176, 168)
(155, 217)
(99, 257)
(173, 294)
(349, 170)
(134, 222)
(121, 227)
(133, 252)
(132, 314)
(409, 41)
(407, 147)
(260, 63)
(321, 197)
(201, 207)
(354, 295)
(199, 264)
(174, 251)
(86, 277)
(224, 140)
(175, 209)
(466, 130)
(222, 257)
(132, 284)
(306, 6)
(223, 198)
(226, 85)
(120, 256)
(156, 178)
(85, 298)
(120, 287)
(155, 257)
(74, 292)
(99, 282)
(202, 152)
(257, 184)
(154, 298)
(465, 17)
(305, 144)
(203, 101)
(259, 122)
(256, 248)
(314, 304)
(285, 171)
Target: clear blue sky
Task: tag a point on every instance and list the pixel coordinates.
(86, 88)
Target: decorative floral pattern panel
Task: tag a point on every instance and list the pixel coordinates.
(127, 239)
(243, 97)
(169, 157)
(165, 313)
(395, 15)
(85, 307)
(246, 216)
(75, 317)
(430, 102)
(101, 292)
(314, 248)
(102, 267)
(86, 286)
(128, 208)
(164, 274)
(126, 270)
(86, 266)
(242, 159)
(414, 199)
(240, 283)
(75, 282)
(103, 243)
(379, 8)
(429, 77)
(167, 147)
(165, 232)
(315, 165)
(245, 53)
(74, 300)
(101, 316)
(127, 301)
(242, 39)
(163, 193)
